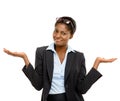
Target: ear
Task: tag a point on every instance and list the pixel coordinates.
(71, 36)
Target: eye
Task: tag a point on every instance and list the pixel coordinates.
(55, 31)
(63, 33)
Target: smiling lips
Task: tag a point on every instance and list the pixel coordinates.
(56, 40)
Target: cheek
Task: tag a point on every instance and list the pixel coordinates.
(66, 39)
(53, 35)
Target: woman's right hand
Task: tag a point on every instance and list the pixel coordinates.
(18, 54)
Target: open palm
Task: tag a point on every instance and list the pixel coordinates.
(17, 54)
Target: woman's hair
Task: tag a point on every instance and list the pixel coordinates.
(69, 22)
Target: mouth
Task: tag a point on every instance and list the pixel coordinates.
(56, 40)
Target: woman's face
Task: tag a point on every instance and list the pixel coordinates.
(61, 35)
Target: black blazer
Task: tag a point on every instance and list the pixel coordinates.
(76, 81)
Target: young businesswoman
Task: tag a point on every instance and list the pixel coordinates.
(60, 70)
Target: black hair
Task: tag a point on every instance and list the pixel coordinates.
(69, 21)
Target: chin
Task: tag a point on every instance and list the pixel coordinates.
(60, 45)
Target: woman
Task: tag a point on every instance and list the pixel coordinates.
(59, 69)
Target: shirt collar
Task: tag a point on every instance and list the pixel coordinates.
(51, 47)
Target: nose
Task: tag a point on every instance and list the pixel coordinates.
(57, 35)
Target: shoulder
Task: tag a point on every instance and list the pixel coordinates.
(40, 50)
(79, 54)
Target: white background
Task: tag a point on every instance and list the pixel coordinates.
(28, 24)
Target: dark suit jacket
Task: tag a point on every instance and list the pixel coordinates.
(76, 81)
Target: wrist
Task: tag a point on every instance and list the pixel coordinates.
(96, 64)
(25, 58)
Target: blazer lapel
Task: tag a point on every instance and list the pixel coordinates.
(49, 63)
(69, 64)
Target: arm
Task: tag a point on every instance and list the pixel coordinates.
(86, 81)
(34, 75)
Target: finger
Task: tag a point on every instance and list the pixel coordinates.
(5, 50)
(111, 60)
(8, 52)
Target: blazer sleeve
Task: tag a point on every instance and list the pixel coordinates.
(85, 81)
(36, 75)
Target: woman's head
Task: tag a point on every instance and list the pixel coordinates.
(69, 22)
(64, 29)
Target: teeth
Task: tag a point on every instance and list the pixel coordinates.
(58, 40)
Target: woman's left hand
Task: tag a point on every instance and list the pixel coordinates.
(99, 60)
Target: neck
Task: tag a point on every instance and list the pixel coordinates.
(61, 48)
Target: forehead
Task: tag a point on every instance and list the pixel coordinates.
(61, 26)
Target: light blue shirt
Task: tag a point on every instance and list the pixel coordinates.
(57, 85)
